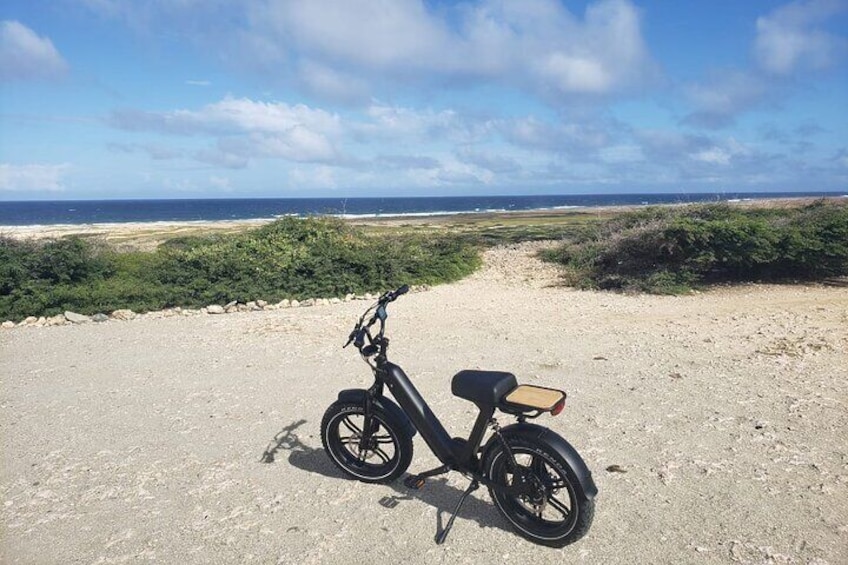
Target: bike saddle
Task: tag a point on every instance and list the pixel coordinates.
(483, 388)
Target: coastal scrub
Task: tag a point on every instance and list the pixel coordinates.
(672, 250)
(289, 258)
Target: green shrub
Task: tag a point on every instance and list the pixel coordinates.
(670, 250)
(289, 258)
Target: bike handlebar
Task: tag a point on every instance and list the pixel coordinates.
(360, 331)
(393, 295)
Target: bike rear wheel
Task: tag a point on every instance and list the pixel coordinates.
(556, 512)
(375, 453)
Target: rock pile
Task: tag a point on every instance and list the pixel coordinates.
(254, 305)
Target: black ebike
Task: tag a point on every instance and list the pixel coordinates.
(536, 478)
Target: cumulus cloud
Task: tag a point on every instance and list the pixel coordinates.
(246, 128)
(32, 177)
(789, 40)
(405, 162)
(344, 49)
(26, 56)
(793, 37)
(723, 95)
(538, 44)
(573, 138)
(493, 162)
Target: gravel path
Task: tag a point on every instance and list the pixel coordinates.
(714, 424)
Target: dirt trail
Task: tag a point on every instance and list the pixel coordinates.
(722, 417)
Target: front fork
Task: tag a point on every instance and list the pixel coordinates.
(370, 425)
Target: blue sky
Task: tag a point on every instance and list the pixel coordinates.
(280, 98)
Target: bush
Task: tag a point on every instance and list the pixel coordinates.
(289, 258)
(671, 250)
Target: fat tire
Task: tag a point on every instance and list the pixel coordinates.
(343, 457)
(582, 508)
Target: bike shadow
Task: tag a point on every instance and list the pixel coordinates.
(437, 492)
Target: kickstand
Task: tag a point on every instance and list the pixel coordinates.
(443, 535)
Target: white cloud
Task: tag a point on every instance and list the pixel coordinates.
(792, 38)
(313, 177)
(723, 95)
(714, 155)
(333, 84)
(32, 177)
(371, 34)
(579, 138)
(345, 49)
(26, 56)
(247, 128)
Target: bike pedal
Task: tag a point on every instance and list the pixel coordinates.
(414, 482)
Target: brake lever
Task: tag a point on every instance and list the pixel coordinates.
(352, 336)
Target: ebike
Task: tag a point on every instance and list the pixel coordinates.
(537, 480)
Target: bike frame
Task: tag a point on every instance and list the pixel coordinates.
(454, 453)
(457, 454)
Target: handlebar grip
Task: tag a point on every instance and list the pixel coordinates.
(402, 290)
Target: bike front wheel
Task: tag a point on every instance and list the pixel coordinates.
(556, 511)
(373, 449)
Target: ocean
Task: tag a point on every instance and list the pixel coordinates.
(78, 212)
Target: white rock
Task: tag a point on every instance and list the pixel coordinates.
(271, 307)
(123, 314)
(40, 322)
(295, 304)
(231, 309)
(214, 309)
(261, 303)
(335, 301)
(232, 304)
(58, 320)
(252, 305)
(349, 296)
(75, 318)
(308, 302)
(29, 321)
(284, 303)
(8, 324)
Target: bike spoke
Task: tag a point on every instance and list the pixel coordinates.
(386, 439)
(350, 440)
(559, 506)
(382, 455)
(351, 426)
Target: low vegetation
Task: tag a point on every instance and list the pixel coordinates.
(672, 250)
(290, 258)
(665, 250)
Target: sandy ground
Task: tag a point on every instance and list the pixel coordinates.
(196, 440)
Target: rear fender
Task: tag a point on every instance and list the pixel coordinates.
(558, 444)
(358, 395)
